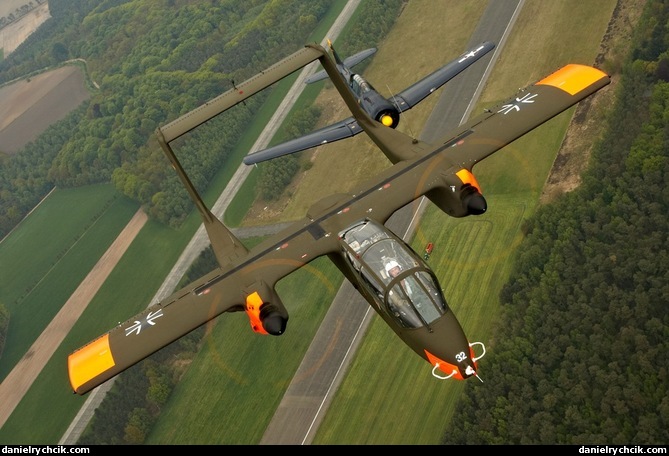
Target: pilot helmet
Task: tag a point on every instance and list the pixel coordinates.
(392, 264)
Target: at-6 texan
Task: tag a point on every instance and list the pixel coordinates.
(347, 227)
(384, 110)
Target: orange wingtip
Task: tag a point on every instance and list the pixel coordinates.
(573, 78)
(89, 362)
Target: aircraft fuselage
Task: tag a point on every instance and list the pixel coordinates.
(404, 291)
(378, 107)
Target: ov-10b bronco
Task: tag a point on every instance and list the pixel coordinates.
(349, 228)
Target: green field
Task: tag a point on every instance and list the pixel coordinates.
(403, 403)
(389, 395)
(472, 257)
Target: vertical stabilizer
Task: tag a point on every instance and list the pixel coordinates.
(226, 246)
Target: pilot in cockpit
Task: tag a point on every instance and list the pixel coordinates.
(399, 296)
(393, 269)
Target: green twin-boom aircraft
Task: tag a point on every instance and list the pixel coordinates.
(347, 227)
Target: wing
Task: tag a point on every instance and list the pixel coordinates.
(529, 108)
(245, 279)
(417, 92)
(142, 335)
(220, 291)
(340, 130)
(495, 128)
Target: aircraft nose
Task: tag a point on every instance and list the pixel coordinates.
(469, 371)
(387, 120)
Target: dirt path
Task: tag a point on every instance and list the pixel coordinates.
(574, 155)
(19, 380)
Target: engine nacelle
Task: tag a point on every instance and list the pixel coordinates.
(381, 110)
(459, 196)
(472, 200)
(267, 316)
(273, 320)
(389, 116)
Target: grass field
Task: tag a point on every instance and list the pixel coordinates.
(389, 391)
(49, 255)
(396, 401)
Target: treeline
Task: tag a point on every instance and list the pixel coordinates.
(154, 61)
(582, 349)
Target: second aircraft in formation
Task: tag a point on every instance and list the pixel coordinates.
(384, 110)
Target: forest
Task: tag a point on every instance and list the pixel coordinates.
(583, 347)
(192, 52)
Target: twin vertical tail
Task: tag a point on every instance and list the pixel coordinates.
(226, 246)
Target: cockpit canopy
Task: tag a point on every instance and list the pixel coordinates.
(400, 280)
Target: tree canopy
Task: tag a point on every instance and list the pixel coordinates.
(582, 352)
(153, 60)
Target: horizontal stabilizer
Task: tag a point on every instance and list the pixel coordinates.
(225, 245)
(240, 92)
(348, 62)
